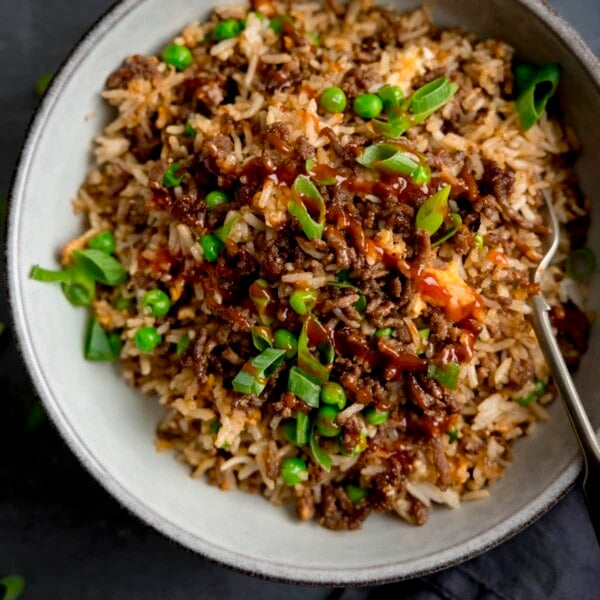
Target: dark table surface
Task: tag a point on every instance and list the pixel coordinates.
(70, 539)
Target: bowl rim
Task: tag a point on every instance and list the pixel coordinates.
(376, 575)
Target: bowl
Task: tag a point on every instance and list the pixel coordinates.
(111, 428)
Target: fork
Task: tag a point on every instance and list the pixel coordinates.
(584, 432)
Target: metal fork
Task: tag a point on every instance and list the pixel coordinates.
(584, 432)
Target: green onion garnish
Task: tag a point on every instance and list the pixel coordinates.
(77, 284)
(262, 338)
(252, 379)
(13, 586)
(306, 362)
(302, 428)
(97, 346)
(304, 196)
(304, 387)
(539, 387)
(388, 130)
(263, 299)
(533, 98)
(101, 266)
(182, 344)
(389, 158)
(523, 75)
(453, 434)
(456, 224)
(321, 457)
(432, 213)
(40, 274)
(356, 494)
(225, 231)
(431, 97)
(446, 375)
(580, 264)
(170, 178)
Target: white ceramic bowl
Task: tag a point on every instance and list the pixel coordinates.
(111, 428)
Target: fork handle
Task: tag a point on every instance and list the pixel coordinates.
(584, 432)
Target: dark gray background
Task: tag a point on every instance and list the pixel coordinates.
(71, 540)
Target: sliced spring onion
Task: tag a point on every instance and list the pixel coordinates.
(446, 375)
(252, 379)
(306, 362)
(539, 387)
(101, 266)
(262, 297)
(580, 264)
(389, 158)
(388, 130)
(431, 97)
(302, 428)
(81, 289)
(523, 75)
(321, 457)
(533, 98)
(170, 178)
(262, 338)
(225, 231)
(182, 344)
(13, 586)
(97, 346)
(478, 241)
(432, 213)
(302, 385)
(453, 434)
(288, 428)
(356, 494)
(40, 274)
(305, 193)
(326, 352)
(456, 224)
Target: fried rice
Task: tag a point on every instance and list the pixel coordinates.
(392, 308)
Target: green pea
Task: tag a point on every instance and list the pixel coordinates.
(478, 241)
(170, 178)
(376, 417)
(189, 131)
(368, 106)
(177, 56)
(147, 338)
(387, 332)
(215, 198)
(103, 241)
(391, 96)
(303, 301)
(286, 340)
(326, 422)
(333, 100)
(293, 471)
(157, 301)
(229, 28)
(211, 246)
(356, 493)
(334, 394)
